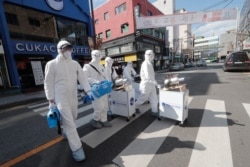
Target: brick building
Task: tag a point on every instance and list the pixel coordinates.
(115, 24)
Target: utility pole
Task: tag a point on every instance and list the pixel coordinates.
(93, 23)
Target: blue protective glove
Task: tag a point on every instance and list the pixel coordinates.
(87, 98)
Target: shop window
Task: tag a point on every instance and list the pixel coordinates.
(34, 22)
(40, 26)
(124, 28)
(106, 16)
(11, 18)
(120, 8)
(108, 33)
(100, 35)
(149, 13)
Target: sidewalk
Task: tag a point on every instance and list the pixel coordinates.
(22, 98)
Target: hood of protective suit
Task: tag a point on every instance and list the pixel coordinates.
(96, 56)
(109, 61)
(129, 64)
(149, 55)
(64, 54)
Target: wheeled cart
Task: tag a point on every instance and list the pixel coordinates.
(123, 103)
(173, 104)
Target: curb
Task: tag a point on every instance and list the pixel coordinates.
(21, 102)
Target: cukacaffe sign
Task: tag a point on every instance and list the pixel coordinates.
(24, 47)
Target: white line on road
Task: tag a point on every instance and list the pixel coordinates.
(214, 136)
(141, 151)
(96, 137)
(247, 108)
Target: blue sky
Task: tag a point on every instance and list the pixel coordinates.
(208, 29)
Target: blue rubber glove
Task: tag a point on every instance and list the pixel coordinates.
(87, 98)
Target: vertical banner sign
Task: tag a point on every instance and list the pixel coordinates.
(37, 72)
(186, 18)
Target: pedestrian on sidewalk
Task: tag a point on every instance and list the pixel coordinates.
(60, 85)
(148, 84)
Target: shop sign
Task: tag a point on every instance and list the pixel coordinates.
(246, 44)
(38, 72)
(24, 47)
(127, 48)
(113, 51)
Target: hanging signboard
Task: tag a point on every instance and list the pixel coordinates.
(186, 18)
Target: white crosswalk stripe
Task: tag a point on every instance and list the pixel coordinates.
(213, 128)
(140, 152)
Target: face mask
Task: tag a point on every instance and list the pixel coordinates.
(67, 54)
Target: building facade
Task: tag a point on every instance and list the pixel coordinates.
(115, 25)
(29, 32)
(180, 38)
(206, 48)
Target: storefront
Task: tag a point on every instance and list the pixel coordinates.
(30, 32)
(132, 48)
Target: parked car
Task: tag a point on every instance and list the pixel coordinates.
(201, 63)
(189, 64)
(177, 66)
(237, 61)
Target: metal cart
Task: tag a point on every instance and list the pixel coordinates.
(123, 103)
(173, 104)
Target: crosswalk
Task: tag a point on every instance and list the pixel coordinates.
(212, 144)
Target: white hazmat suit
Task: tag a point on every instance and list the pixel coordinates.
(100, 105)
(129, 72)
(110, 71)
(60, 85)
(148, 83)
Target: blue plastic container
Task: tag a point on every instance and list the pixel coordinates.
(103, 88)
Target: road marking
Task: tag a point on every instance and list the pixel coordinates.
(96, 137)
(32, 152)
(247, 108)
(142, 150)
(214, 136)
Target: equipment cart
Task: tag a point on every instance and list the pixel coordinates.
(173, 104)
(123, 103)
(136, 86)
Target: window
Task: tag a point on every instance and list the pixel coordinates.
(124, 28)
(11, 18)
(108, 33)
(100, 35)
(34, 22)
(106, 16)
(120, 8)
(96, 21)
(149, 13)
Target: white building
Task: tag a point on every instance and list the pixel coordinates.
(205, 47)
(180, 37)
(227, 43)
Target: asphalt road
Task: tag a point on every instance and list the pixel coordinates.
(216, 132)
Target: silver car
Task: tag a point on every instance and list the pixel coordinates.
(177, 66)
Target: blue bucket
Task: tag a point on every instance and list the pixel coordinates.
(53, 118)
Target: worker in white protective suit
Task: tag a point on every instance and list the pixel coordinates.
(60, 85)
(129, 72)
(97, 73)
(110, 71)
(148, 84)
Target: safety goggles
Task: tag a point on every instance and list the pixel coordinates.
(66, 47)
